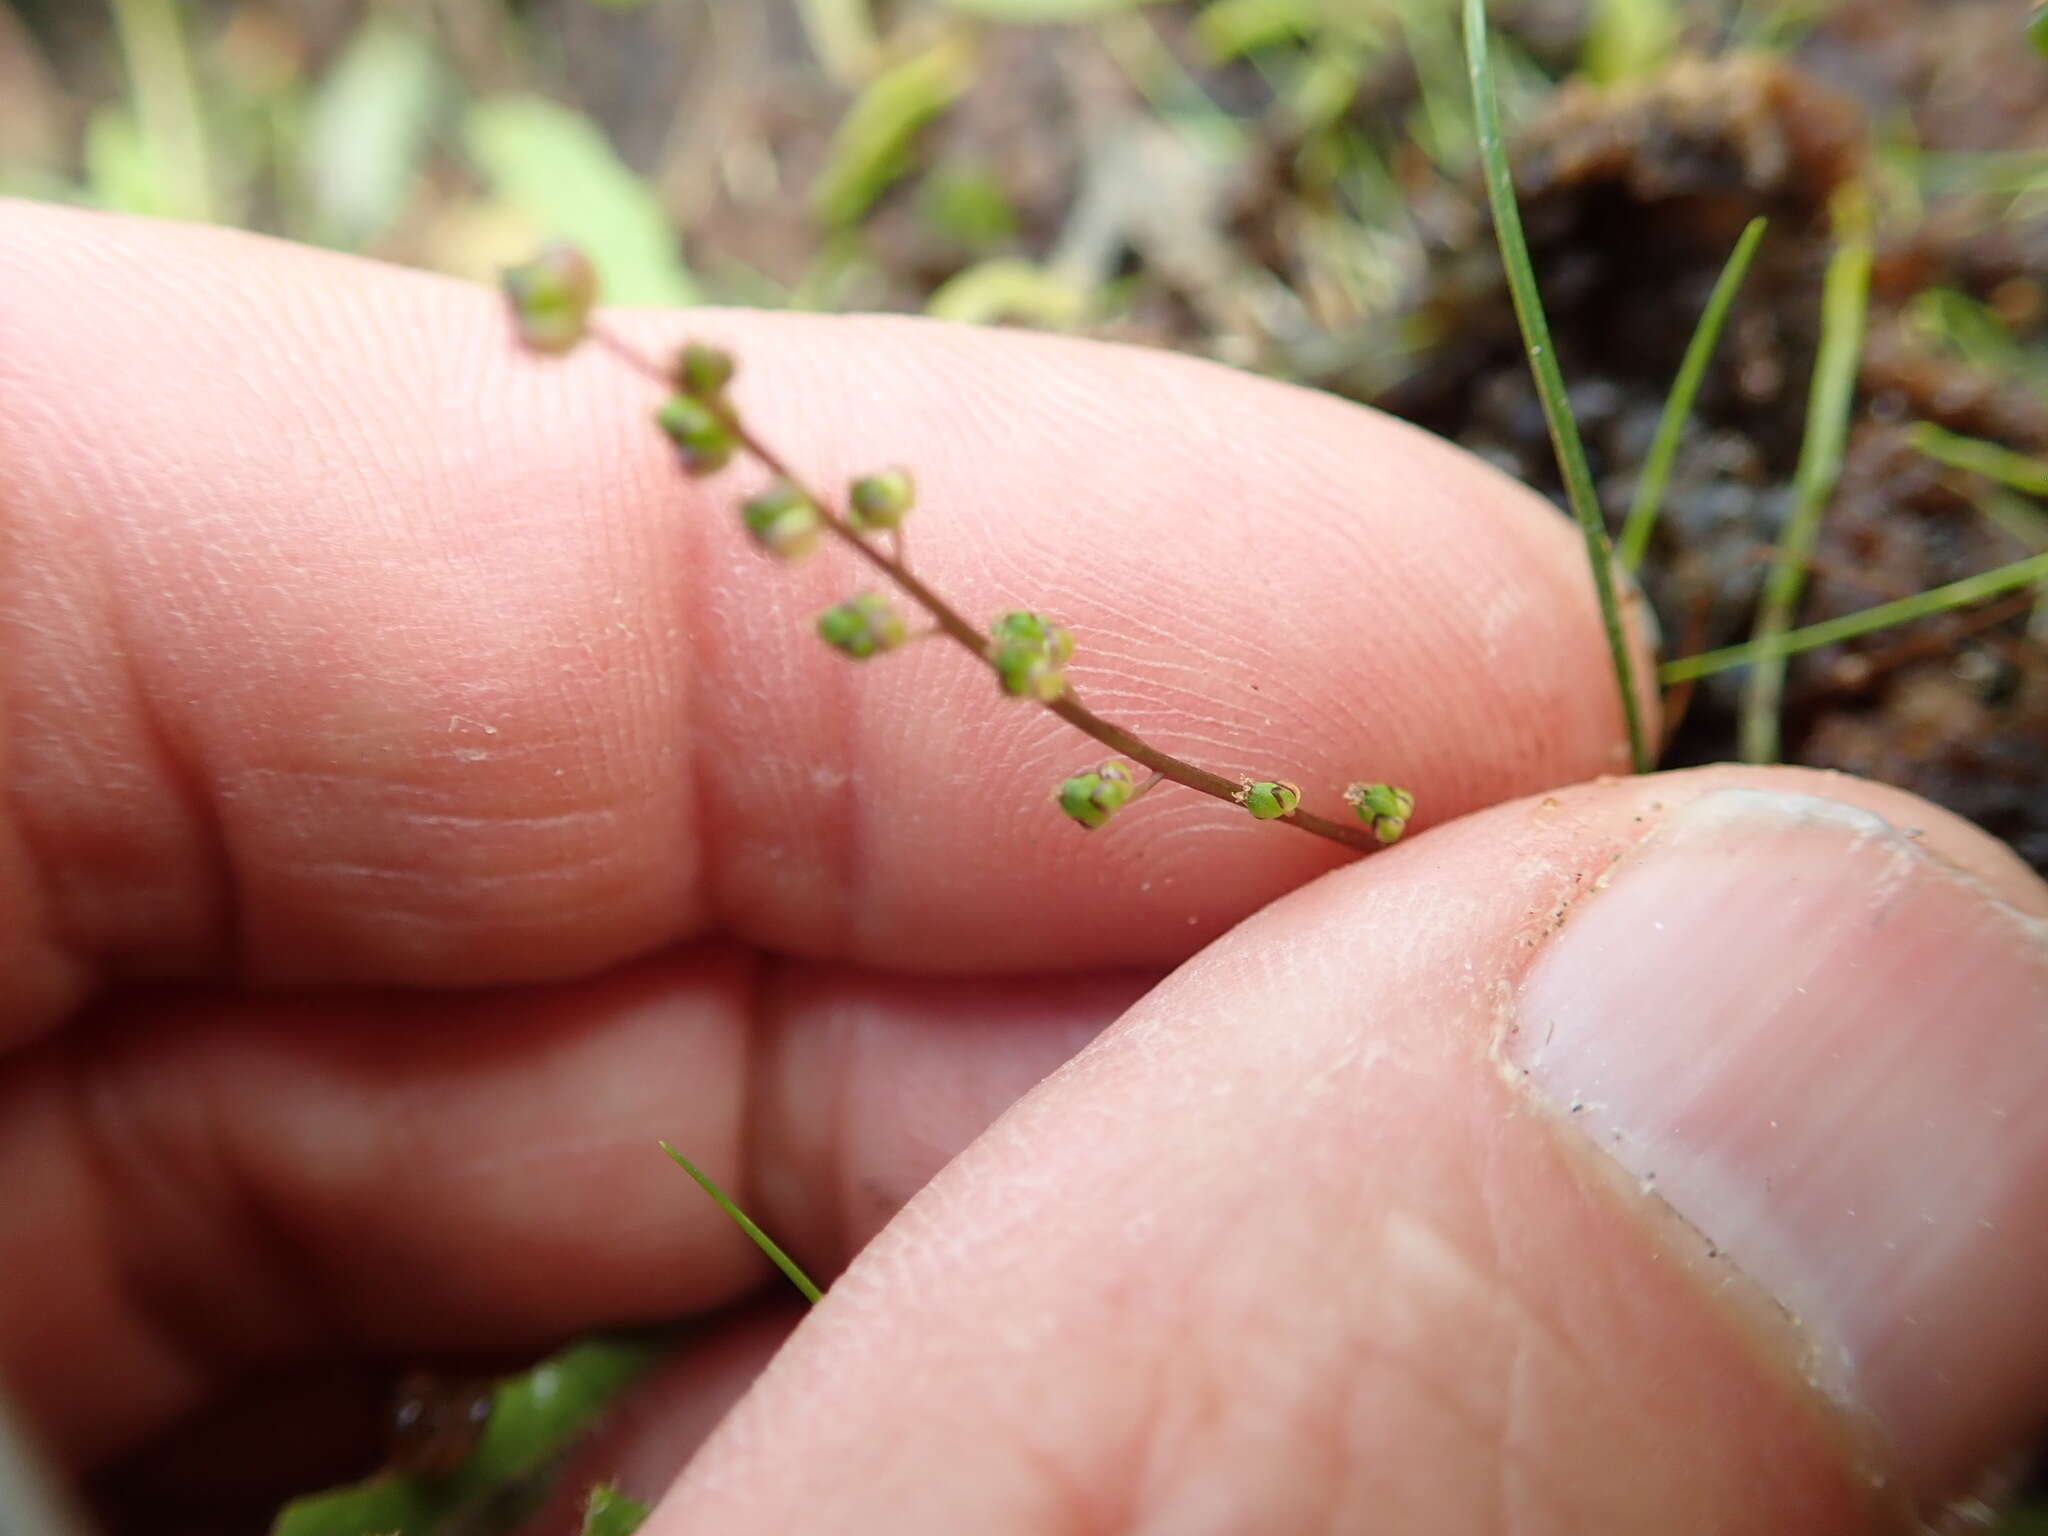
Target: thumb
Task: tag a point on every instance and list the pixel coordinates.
(1663, 1155)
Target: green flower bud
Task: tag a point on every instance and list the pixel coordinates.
(863, 626)
(782, 520)
(700, 434)
(1269, 799)
(551, 297)
(880, 500)
(1030, 655)
(703, 371)
(1091, 798)
(1383, 807)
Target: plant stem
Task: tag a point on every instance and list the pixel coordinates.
(1845, 297)
(745, 1223)
(1971, 589)
(1656, 472)
(1994, 461)
(1068, 706)
(1550, 390)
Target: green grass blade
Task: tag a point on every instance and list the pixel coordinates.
(762, 1240)
(1957, 594)
(1845, 301)
(167, 112)
(1994, 461)
(1550, 390)
(1685, 388)
(871, 148)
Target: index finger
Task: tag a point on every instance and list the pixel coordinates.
(346, 643)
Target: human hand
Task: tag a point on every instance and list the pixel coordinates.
(420, 800)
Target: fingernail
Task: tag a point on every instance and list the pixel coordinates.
(1827, 1050)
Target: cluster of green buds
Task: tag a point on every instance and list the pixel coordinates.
(783, 520)
(1030, 656)
(1091, 798)
(1383, 807)
(551, 297)
(1269, 799)
(863, 626)
(698, 418)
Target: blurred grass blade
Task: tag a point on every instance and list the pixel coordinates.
(1550, 390)
(557, 167)
(1656, 470)
(1230, 29)
(1845, 301)
(1626, 39)
(367, 129)
(1957, 594)
(1994, 461)
(535, 1417)
(842, 36)
(610, 1513)
(170, 133)
(762, 1240)
(1960, 323)
(1030, 13)
(120, 172)
(871, 147)
(1010, 288)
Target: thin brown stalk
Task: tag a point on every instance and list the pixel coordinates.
(1068, 705)
(952, 623)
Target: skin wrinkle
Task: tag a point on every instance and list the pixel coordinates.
(83, 1247)
(150, 1173)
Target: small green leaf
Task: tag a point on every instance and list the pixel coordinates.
(610, 1513)
(2037, 29)
(556, 166)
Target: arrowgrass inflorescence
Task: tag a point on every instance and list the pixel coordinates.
(1028, 653)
